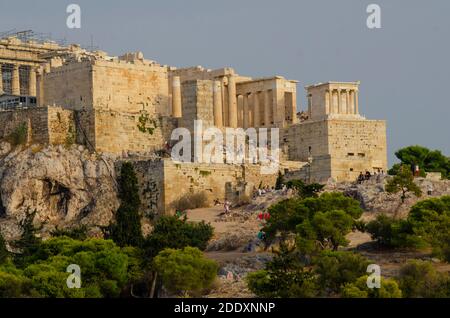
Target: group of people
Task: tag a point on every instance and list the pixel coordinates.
(377, 175)
(264, 190)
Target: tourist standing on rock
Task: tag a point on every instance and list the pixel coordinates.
(360, 178)
(226, 206)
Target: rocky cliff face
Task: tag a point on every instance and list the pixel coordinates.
(373, 197)
(67, 187)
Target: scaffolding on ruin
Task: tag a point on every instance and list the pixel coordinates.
(24, 78)
(29, 36)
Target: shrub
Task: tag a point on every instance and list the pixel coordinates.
(336, 269)
(285, 276)
(172, 232)
(191, 201)
(104, 266)
(19, 135)
(78, 233)
(420, 279)
(393, 233)
(304, 190)
(388, 289)
(185, 271)
(403, 182)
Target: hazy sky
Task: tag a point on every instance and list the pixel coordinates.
(404, 67)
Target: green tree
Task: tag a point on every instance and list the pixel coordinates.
(172, 232)
(430, 220)
(428, 224)
(335, 269)
(127, 227)
(105, 268)
(185, 271)
(428, 160)
(4, 254)
(279, 182)
(394, 233)
(29, 242)
(358, 289)
(325, 230)
(403, 182)
(304, 190)
(285, 276)
(420, 279)
(320, 222)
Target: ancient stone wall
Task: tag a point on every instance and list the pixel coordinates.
(46, 125)
(125, 87)
(69, 85)
(35, 120)
(356, 146)
(307, 139)
(61, 126)
(150, 175)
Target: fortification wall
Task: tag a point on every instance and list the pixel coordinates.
(117, 131)
(356, 146)
(61, 126)
(69, 85)
(307, 139)
(46, 125)
(127, 87)
(34, 119)
(150, 175)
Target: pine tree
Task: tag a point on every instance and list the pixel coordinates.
(28, 243)
(126, 231)
(4, 254)
(279, 183)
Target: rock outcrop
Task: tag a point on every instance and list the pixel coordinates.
(373, 197)
(66, 187)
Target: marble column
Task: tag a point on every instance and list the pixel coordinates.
(176, 97)
(330, 102)
(339, 101)
(15, 81)
(256, 110)
(356, 103)
(245, 114)
(1, 79)
(309, 106)
(40, 87)
(294, 108)
(266, 108)
(232, 103)
(32, 82)
(217, 92)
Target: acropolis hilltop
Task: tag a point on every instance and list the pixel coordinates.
(67, 93)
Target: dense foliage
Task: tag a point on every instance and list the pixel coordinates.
(421, 279)
(358, 289)
(304, 190)
(126, 231)
(4, 254)
(318, 222)
(105, 268)
(285, 276)
(176, 233)
(428, 224)
(335, 269)
(427, 160)
(184, 271)
(403, 182)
